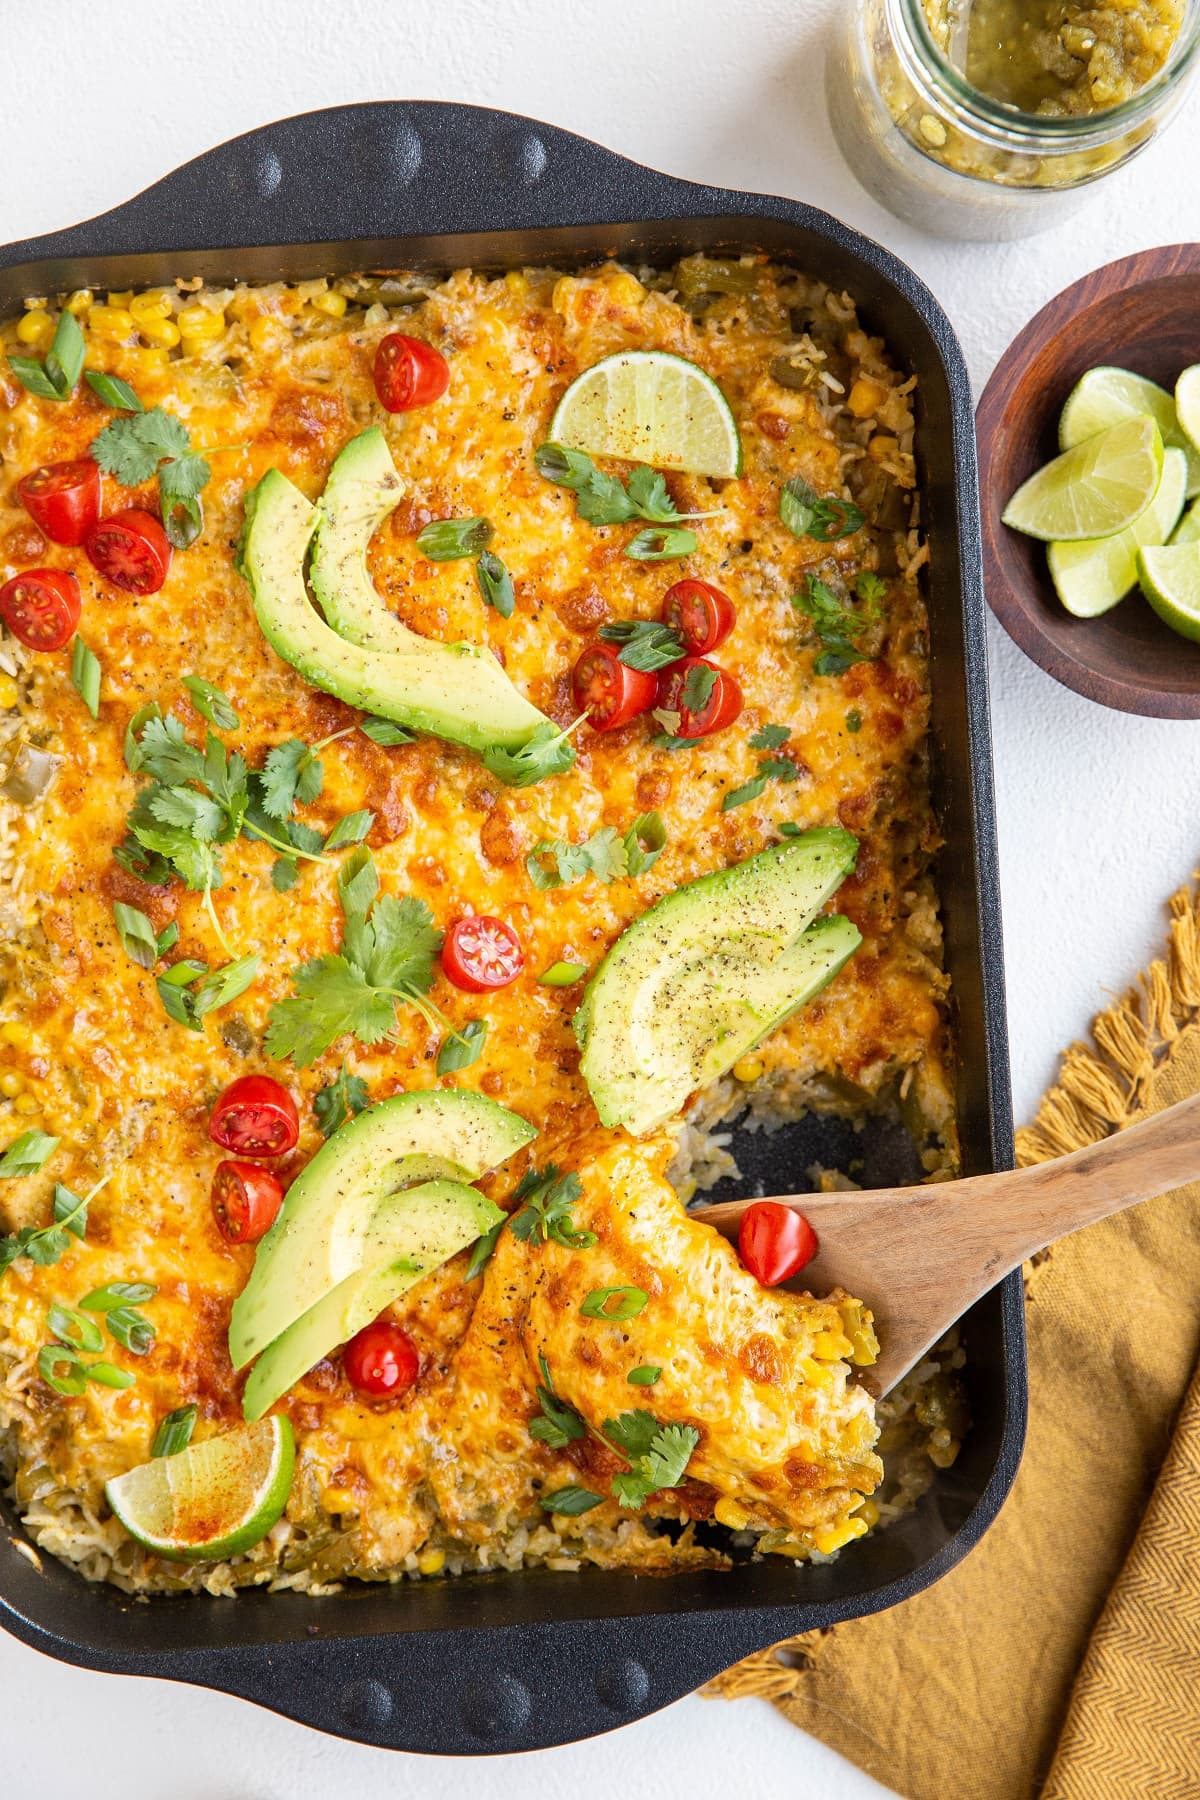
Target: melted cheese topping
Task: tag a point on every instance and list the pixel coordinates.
(783, 1437)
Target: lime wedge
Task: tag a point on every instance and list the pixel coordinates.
(1098, 488)
(1170, 577)
(648, 406)
(1105, 396)
(213, 1499)
(1092, 575)
(1187, 410)
(1188, 529)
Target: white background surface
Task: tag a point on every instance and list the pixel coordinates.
(1098, 812)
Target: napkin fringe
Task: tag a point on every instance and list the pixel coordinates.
(1098, 1091)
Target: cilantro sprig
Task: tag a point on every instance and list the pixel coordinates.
(657, 1454)
(549, 751)
(45, 1245)
(840, 629)
(145, 444)
(607, 855)
(771, 767)
(387, 960)
(54, 377)
(559, 1423)
(607, 500)
(340, 1099)
(824, 518)
(545, 1215)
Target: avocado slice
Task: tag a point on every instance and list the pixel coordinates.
(455, 691)
(362, 489)
(708, 971)
(324, 1224)
(410, 1235)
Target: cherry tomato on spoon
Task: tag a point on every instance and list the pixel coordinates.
(41, 607)
(63, 499)
(774, 1242)
(255, 1116)
(381, 1359)
(721, 708)
(245, 1200)
(480, 952)
(611, 692)
(409, 372)
(131, 550)
(701, 614)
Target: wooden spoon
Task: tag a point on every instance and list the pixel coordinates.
(920, 1256)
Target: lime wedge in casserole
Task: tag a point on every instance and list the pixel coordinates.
(1098, 488)
(1105, 396)
(651, 407)
(1091, 576)
(212, 1500)
(1170, 578)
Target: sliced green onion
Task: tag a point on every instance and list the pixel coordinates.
(446, 540)
(85, 673)
(644, 1376)
(563, 974)
(616, 1303)
(175, 1431)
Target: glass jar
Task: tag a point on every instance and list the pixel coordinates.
(937, 151)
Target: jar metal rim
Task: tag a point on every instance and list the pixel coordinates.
(1034, 133)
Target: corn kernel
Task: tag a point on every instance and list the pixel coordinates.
(941, 1455)
(36, 328)
(10, 693)
(868, 1512)
(339, 1500)
(149, 361)
(27, 1104)
(815, 1372)
(124, 299)
(516, 282)
(832, 1345)
(829, 1538)
(111, 322)
(331, 303)
(16, 1031)
(155, 303)
(12, 1083)
(626, 288)
(748, 1068)
(164, 334)
(79, 301)
(882, 447)
(431, 1562)
(200, 326)
(731, 1513)
(266, 334)
(866, 397)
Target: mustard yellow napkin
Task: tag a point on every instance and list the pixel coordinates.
(1062, 1658)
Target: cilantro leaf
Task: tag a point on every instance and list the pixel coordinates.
(548, 1197)
(571, 1501)
(770, 737)
(559, 1424)
(599, 498)
(838, 628)
(659, 1459)
(633, 1433)
(339, 1100)
(697, 688)
(749, 790)
(605, 855)
(648, 491)
(807, 514)
(549, 751)
(332, 999)
(872, 589)
(131, 449)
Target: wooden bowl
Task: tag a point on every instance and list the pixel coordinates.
(1142, 313)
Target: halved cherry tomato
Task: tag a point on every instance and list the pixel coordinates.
(63, 499)
(381, 1359)
(41, 607)
(409, 372)
(701, 614)
(255, 1116)
(130, 548)
(609, 690)
(480, 953)
(774, 1242)
(722, 707)
(245, 1200)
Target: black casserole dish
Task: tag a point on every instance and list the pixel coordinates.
(521, 1661)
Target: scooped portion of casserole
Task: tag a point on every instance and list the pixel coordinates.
(463, 742)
